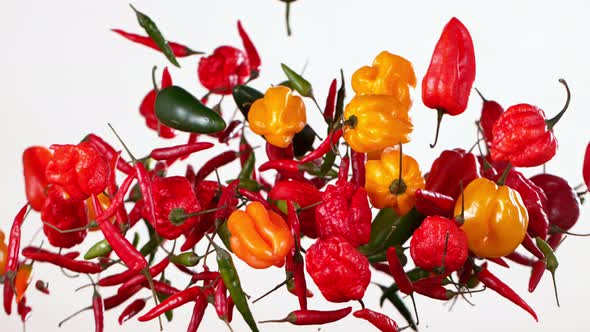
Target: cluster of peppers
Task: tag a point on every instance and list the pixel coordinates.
(467, 210)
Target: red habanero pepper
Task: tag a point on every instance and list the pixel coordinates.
(61, 215)
(449, 170)
(313, 317)
(131, 310)
(448, 81)
(523, 136)
(431, 203)
(147, 109)
(214, 163)
(81, 170)
(98, 310)
(358, 168)
(380, 321)
(198, 313)
(586, 166)
(439, 244)
(492, 282)
(174, 301)
(562, 204)
(304, 195)
(35, 160)
(536, 274)
(12, 257)
(41, 255)
(338, 269)
(221, 71)
(397, 272)
(251, 52)
(179, 151)
(520, 259)
(330, 102)
(179, 50)
(140, 278)
(324, 147)
(490, 112)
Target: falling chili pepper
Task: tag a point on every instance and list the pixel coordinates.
(12, 257)
(179, 150)
(490, 112)
(449, 170)
(152, 30)
(98, 310)
(298, 265)
(139, 279)
(23, 310)
(586, 166)
(447, 84)
(304, 195)
(434, 204)
(35, 160)
(179, 50)
(537, 271)
(397, 272)
(520, 259)
(324, 147)
(64, 219)
(42, 255)
(225, 68)
(131, 310)
(330, 103)
(313, 317)
(562, 203)
(174, 301)
(198, 313)
(380, 321)
(251, 52)
(209, 167)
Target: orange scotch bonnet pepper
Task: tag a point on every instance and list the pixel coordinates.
(384, 185)
(495, 219)
(259, 237)
(376, 122)
(390, 75)
(278, 116)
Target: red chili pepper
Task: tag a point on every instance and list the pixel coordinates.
(98, 310)
(139, 279)
(42, 255)
(23, 309)
(214, 163)
(116, 279)
(255, 197)
(304, 194)
(380, 321)
(198, 313)
(174, 301)
(431, 287)
(12, 257)
(280, 165)
(276, 153)
(161, 287)
(554, 240)
(324, 147)
(520, 259)
(490, 112)
(523, 136)
(221, 71)
(499, 261)
(466, 272)
(227, 202)
(117, 299)
(531, 247)
(492, 282)
(358, 168)
(298, 266)
(431, 203)
(330, 102)
(108, 152)
(220, 303)
(35, 160)
(230, 308)
(147, 109)
(179, 50)
(449, 170)
(313, 317)
(562, 204)
(66, 215)
(447, 84)
(207, 276)
(536, 274)
(131, 310)
(343, 170)
(179, 150)
(382, 267)
(397, 272)
(251, 52)
(135, 213)
(230, 131)
(586, 166)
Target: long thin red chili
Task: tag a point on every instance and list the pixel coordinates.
(499, 261)
(358, 168)
(179, 151)
(324, 147)
(297, 259)
(431, 287)
(116, 279)
(12, 257)
(380, 321)
(313, 317)
(179, 50)
(255, 197)
(161, 287)
(135, 214)
(251, 52)
(206, 275)
(140, 278)
(492, 282)
(554, 240)
(121, 215)
(229, 132)
(536, 274)
(109, 152)
(529, 245)
(98, 310)
(330, 102)
(520, 259)
(343, 170)
(117, 201)
(214, 163)
(145, 186)
(230, 308)
(131, 310)
(174, 301)
(220, 302)
(281, 165)
(42, 255)
(224, 208)
(198, 313)
(116, 300)
(382, 267)
(398, 273)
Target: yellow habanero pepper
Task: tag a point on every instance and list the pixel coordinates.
(3, 254)
(278, 116)
(259, 237)
(376, 122)
(495, 218)
(383, 183)
(390, 75)
(105, 202)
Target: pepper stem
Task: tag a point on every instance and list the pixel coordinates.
(291, 318)
(73, 315)
(438, 121)
(398, 186)
(177, 216)
(281, 284)
(351, 122)
(123, 143)
(480, 95)
(156, 89)
(553, 121)
(288, 17)
(504, 175)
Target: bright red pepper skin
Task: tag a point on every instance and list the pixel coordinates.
(431, 203)
(341, 272)
(221, 71)
(562, 204)
(449, 170)
(179, 50)
(432, 287)
(64, 214)
(131, 310)
(314, 317)
(304, 194)
(521, 136)
(41, 255)
(380, 321)
(344, 212)
(171, 193)
(148, 111)
(490, 112)
(79, 169)
(174, 301)
(448, 81)
(12, 257)
(536, 274)
(439, 243)
(35, 160)
(397, 272)
(251, 52)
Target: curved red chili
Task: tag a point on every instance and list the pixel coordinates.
(174, 301)
(42, 255)
(140, 278)
(179, 151)
(324, 147)
(536, 274)
(179, 50)
(330, 102)
(214, 163)
(131, 310)
(313, 317)
(398, 273)
(12, 257)
(380, 321)
(251, 52)
(198, 313)
(98, 310)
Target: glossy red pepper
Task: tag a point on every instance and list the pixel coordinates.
(296, 259)
(131, 310)
(12, 256)
(313, 317)
(60, 215)
(179, 151)
(179, 50)
(251, 52)
(140, 278)
(305, 195)
(380, 321)
(174, 301)
(35, 160)
(397, 272)
(447, 84)
(148, 111)
(490, 112)
(42, 255)
(326, 146)
(98, 310)
(209, 167)
(537, 271)
(358, 168)
(109, 152)
(520, 259)
(330, 102)
(431, 203)
(198, 313)
(221, 71)
(449, 170)
(432, 287)
(562, 203)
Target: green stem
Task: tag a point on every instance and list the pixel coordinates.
(553, 121)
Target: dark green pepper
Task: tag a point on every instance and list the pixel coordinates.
(99, 249)
(178, 109)
(152, 30)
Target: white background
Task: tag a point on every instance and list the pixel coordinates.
(64, 74)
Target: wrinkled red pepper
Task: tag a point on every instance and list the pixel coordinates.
(304, 194)
(490, 112)
(65, 215)
(449, 170)
(221, 71)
